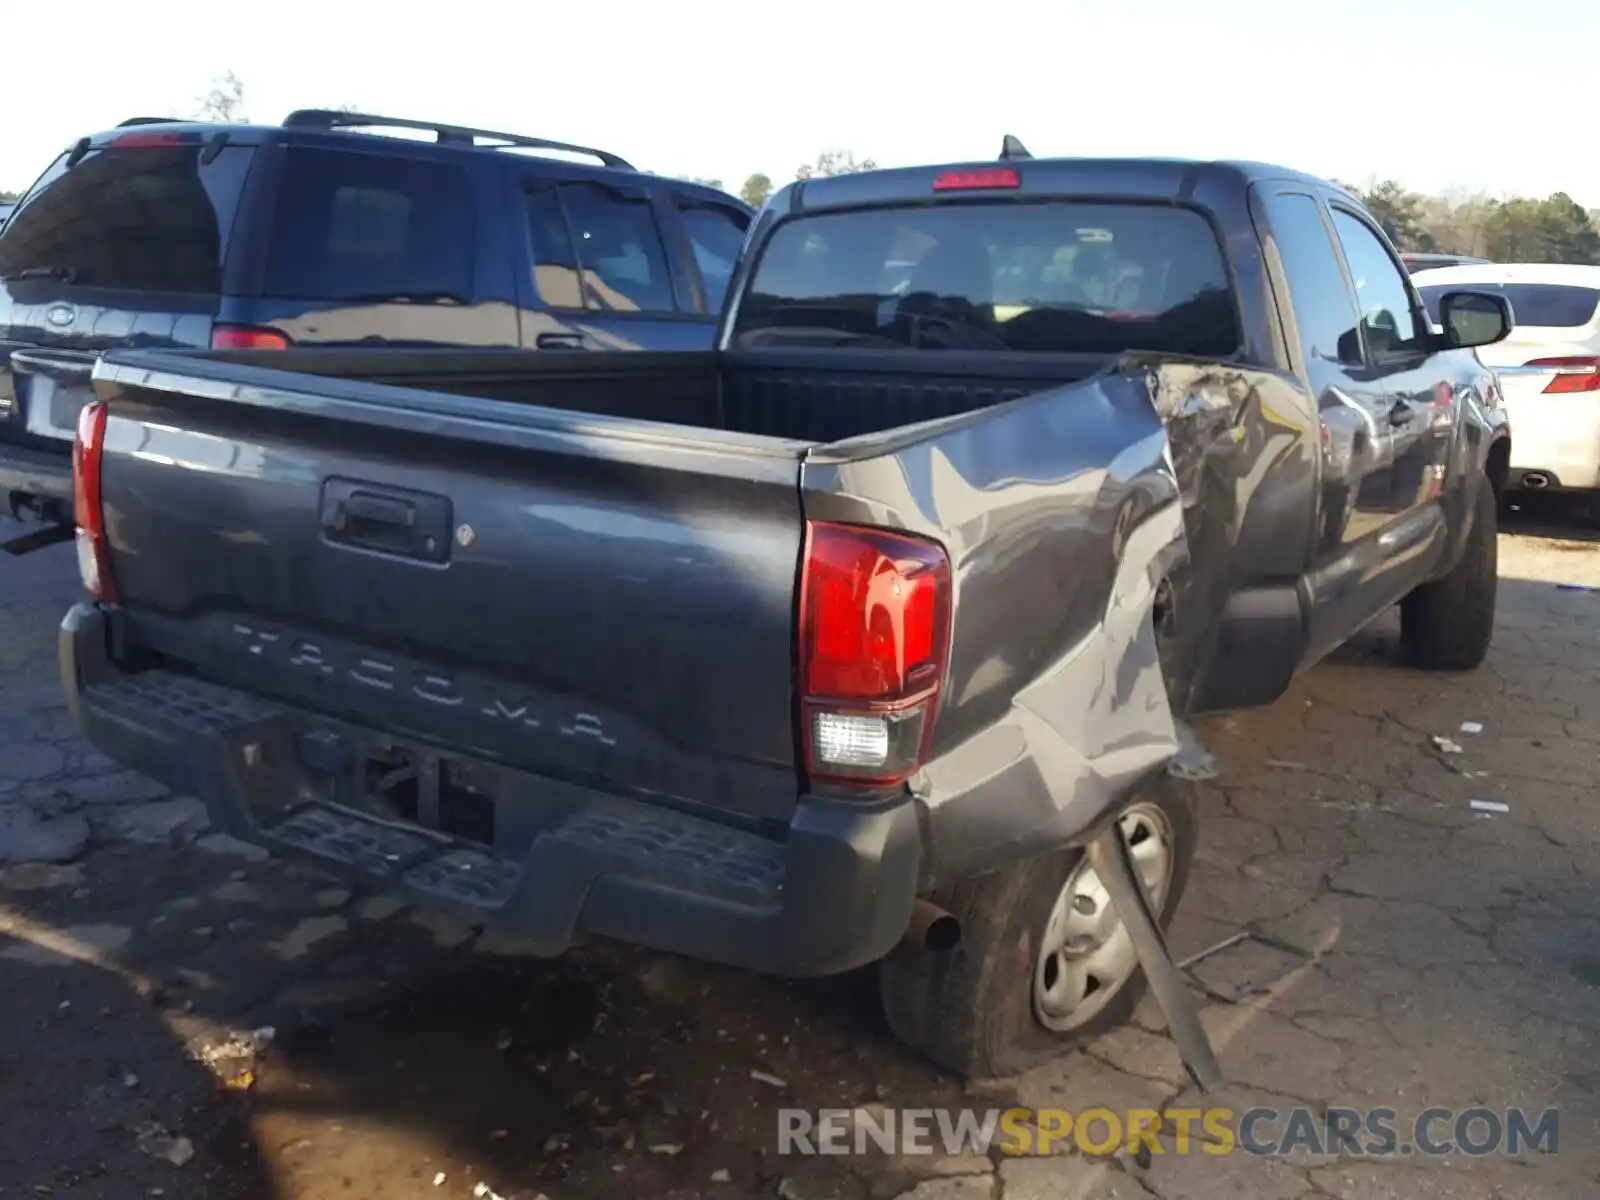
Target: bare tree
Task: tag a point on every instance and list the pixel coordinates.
(224, 102)
(835, 162)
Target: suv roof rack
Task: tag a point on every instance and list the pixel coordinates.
(148, 121)
(451, 135)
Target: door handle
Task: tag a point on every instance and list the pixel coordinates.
(559, 341)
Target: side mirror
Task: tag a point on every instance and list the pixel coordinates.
(1349, 348)
(1474, 318)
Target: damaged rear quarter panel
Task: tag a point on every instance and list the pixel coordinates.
(1063, 513)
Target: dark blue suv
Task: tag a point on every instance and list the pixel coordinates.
(322, 231)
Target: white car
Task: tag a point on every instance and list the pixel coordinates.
(1549, 367)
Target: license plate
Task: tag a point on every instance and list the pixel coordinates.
(53, 408)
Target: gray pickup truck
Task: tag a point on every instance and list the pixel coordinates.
(835, 645)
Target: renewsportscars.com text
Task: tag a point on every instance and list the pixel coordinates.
(1265, 1132)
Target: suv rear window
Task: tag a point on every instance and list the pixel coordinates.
(370, 227)
(1042, 277)
(1552, 305)
(147, 219)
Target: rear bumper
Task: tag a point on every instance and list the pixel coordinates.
(1566, 478)
(835, 894)
(1557, 441)
(36, 473)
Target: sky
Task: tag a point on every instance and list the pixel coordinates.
(1439, 94)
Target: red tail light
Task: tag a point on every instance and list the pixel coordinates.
(247, 337)
(1576, 373)
(977, 179)
(874, 632)
(94, 553)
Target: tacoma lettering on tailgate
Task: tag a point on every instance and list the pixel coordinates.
(361, 668)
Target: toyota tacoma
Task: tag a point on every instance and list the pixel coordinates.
(834, 645)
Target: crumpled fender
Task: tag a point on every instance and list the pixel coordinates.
(1064, 517)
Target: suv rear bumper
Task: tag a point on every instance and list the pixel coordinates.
(35, 473)
(835, 894)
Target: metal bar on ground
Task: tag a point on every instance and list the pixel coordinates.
(1108, 855)
(1218, 948)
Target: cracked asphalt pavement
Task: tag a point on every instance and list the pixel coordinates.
(186, 1017)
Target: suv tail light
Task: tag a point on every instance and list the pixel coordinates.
(1575, 373)
(247, 337)
(874, 633)
(94, 553)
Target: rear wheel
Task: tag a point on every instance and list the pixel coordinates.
(1447, 625)
(1044, 962)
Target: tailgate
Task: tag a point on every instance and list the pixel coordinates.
(604, 600)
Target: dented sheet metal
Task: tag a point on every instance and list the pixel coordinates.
(1064, 516)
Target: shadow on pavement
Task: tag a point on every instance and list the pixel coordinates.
(100, 1098)
(1558, 517)
(397, 1055)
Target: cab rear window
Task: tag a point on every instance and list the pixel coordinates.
(1048, 277)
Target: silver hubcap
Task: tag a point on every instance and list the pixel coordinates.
(1086, 956)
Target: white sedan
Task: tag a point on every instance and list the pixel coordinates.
(1549, 367)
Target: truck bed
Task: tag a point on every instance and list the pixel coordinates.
(785, 396)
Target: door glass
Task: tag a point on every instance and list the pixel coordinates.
(1387, 321)
(555, 264)
(1323, 311)
(620, 252)
(717, 235)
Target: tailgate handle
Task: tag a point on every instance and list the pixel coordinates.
(364, 506)
(390, 520)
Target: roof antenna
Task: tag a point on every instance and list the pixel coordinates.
(1012, 147)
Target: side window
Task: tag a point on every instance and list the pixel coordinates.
(1387, 321)
(717, 235)
(555, 263)
(621, 257)
(371, 226)
(368, 223)
(1323, 310)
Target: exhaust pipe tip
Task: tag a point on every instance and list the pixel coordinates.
(1535, 481)
(932, 928)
